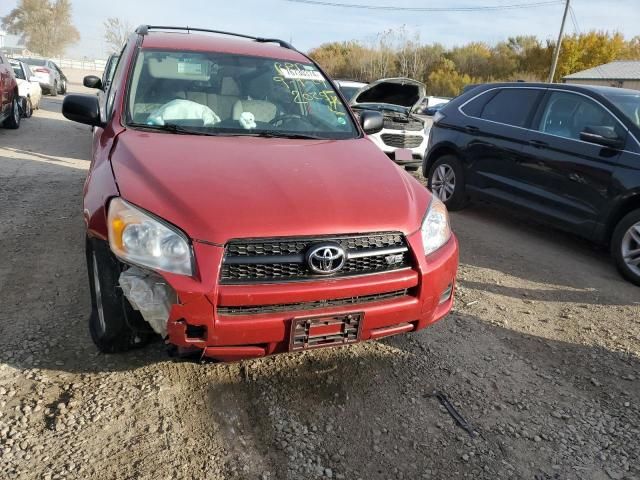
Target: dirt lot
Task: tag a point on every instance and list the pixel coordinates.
(541, 356)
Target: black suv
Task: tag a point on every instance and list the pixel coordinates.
(568, 154)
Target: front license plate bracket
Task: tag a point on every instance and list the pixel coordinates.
(325, 331)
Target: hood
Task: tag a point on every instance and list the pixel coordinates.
(218, 188)
(398, 92)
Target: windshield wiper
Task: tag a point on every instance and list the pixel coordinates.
(276, 134)
(173, 128)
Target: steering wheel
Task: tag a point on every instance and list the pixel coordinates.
(285, 118)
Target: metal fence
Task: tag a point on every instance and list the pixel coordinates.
(97, 65)
(66, 63)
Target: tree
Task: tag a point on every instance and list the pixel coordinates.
(116, 32)
(44, 26)
(445, 71)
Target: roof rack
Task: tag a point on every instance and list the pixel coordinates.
(144, 30)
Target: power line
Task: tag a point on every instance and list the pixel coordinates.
(428, 9)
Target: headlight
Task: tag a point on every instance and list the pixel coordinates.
(436, 230)
(139, 238)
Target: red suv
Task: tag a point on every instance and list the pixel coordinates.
(9, 99)
(235, 206)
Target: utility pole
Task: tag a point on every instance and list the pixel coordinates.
(556, 52)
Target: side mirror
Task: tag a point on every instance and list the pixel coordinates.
(91, 81)
(600, 135)
(372, 122)
(82, 109)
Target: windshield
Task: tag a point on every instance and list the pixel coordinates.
(629, 103)
(226, 94)
(17, 70)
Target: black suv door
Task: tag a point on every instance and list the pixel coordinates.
(495, 124)
(574, 175)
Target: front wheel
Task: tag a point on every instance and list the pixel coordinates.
(625, 246)
(28, 108)
(63, 87)
(54, 90)
(13, 121)
(446, 181)
(111, 314)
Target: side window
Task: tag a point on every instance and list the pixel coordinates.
(567, 114)
(113, 86)
(511, 106)
(475, 106)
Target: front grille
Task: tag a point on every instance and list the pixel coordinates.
(312, 305)
(401, 141)
(403, 124)
(277, 260)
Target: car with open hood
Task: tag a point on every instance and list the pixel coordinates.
(396, 99)
(226, 210)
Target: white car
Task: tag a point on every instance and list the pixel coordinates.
(51, 78)
(396, 99)
(29, 88)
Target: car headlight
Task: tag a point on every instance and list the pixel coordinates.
(436, 230)
(137, 237)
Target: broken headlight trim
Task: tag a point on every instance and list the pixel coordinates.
(139, 238)
(436, 230)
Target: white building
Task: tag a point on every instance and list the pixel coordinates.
(623, 74)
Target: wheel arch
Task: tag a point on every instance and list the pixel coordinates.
(437, 152)
(624, 207)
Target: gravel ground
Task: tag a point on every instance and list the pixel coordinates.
(541, 356)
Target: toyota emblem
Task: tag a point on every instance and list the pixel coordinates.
(326, 259)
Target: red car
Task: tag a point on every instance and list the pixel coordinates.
(235, 206)
(9, 99)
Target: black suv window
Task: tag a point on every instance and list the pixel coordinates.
(473, 107)
(511, 106)
(567, 114)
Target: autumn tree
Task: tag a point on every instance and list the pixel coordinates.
(116, 32)
(447, 71)
(44, 26)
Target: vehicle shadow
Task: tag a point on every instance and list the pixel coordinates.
(535, 260)
(357, 409)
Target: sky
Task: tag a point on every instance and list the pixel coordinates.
(308, 26)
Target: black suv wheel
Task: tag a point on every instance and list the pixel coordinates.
(446, 181)
(625, 246)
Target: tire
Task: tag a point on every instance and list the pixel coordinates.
(63, 87)
(110, 322)
(28, 108)
(54, 89)
(625, 246)
(13, 122)
(446, 181)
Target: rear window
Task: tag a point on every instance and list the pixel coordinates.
(38, 62)
(511, 106)
(17, 70)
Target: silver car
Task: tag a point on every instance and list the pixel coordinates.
(51, 78)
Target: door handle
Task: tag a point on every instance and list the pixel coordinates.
(538, 144)
(471, 129)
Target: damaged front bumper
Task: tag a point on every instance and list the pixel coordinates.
(233, 322)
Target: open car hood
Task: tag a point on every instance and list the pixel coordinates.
(396, 93)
